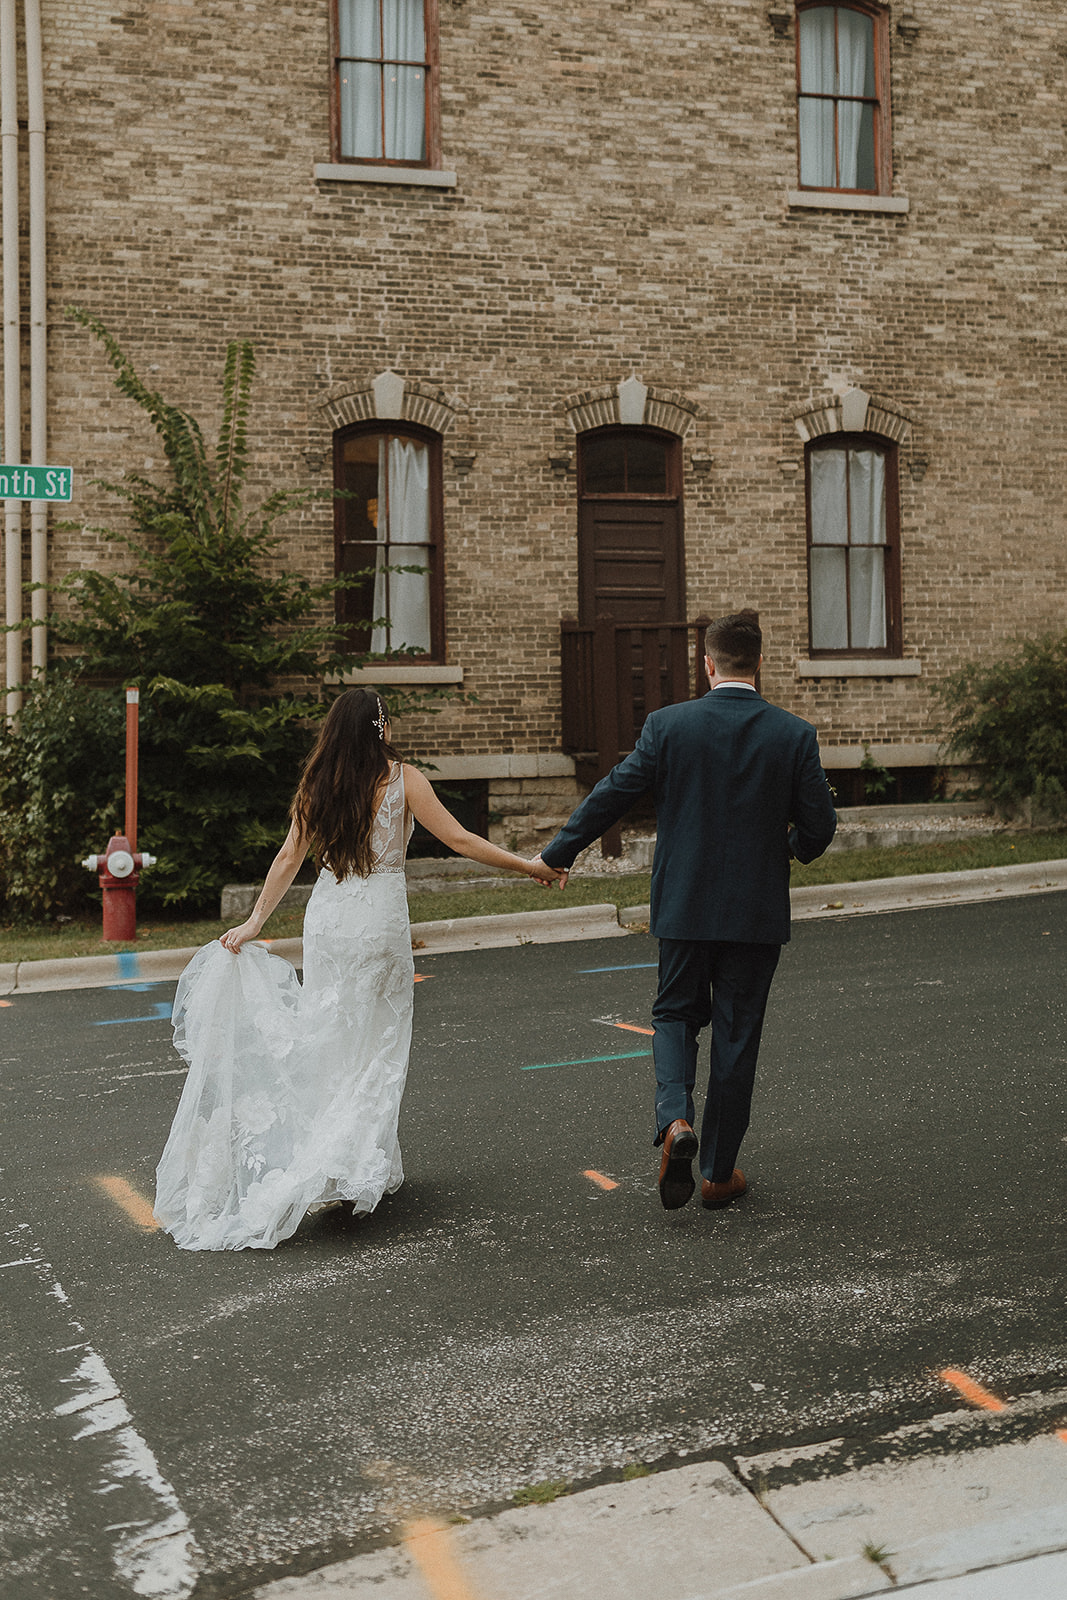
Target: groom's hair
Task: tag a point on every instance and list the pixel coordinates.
(734, 643)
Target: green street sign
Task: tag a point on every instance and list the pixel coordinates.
(36, 483)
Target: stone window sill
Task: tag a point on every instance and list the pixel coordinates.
(859, 667)
(830, 200)
(409, 676)
(352, 172)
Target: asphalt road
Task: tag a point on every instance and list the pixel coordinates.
(506, 1319)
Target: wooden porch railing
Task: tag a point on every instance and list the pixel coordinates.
(613, 675)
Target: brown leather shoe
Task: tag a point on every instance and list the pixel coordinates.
(676, 1182)
(714, 1195)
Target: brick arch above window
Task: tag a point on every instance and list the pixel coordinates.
(631, 403)
(855, 411)
(392, 398)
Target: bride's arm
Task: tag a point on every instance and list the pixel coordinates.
(439, 821)
(283, 869)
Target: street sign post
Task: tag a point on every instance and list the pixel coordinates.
(36, 483)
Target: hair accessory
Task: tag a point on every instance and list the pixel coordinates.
(380, 720)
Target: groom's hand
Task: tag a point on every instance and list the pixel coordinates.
(547, 875)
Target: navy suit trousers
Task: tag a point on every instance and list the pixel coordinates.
(727, 984)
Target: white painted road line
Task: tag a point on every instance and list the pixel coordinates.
(155, 1556)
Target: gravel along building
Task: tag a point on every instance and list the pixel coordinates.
(611, 316)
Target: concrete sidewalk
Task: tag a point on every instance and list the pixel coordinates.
(963, 1507)
(565, 923)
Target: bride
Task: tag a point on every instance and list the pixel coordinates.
(293, 1093)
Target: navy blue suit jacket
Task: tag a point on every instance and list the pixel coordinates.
(738, 788)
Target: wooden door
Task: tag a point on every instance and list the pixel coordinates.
(631, 563)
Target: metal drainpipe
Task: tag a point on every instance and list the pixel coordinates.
(38, 332)
(9, 176)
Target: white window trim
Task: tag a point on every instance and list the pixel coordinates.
(834, 200)
(860, 667)
(354, 172)
(387, 673)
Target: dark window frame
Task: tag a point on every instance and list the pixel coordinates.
(883, 147)
(432, 111)
(893, 646)
(672, 451)
(377, 426)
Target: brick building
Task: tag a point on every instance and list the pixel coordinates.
(632, 311)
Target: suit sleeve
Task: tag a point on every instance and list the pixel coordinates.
(611, 799)
(814, 820)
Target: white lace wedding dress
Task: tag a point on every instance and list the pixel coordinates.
(293, 1092)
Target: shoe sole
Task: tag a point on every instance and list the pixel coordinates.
(677, 1186)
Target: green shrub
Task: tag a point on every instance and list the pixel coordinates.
(1009, 717)
(61, 780)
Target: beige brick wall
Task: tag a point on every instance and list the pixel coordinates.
(621, 207)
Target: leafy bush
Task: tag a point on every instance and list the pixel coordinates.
(61, 775)
(1010, 718)
(208, 627)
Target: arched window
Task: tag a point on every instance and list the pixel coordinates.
(843, 98)
(631, 563)
(392, 519)
(384, 82)
(853, 545)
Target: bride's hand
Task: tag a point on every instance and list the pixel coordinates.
(234, 938)
(546, 875)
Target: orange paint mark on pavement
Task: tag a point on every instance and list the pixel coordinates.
(135, 1205)
(972, 1391)
(1061, 1434)
(7, 1002)
(631, 1027)
(429, 1547)
(599, 1179)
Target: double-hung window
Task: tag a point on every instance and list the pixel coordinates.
(853, 546)
(385, 81)
(388, 539)
(842, 98)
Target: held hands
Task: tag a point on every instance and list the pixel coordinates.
(234, 938)
(547, 876)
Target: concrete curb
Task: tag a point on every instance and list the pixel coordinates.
(567, 923)
(429, 938)
(92, 972)
(908, 894)
(927, 889)
(525, 927)
(936, 1504)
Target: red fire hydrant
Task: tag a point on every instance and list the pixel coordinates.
(119, 871)
(119, 864)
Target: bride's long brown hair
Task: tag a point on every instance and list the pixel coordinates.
(334, 802)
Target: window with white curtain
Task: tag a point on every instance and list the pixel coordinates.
(842, 113)
(383, 77)
(388, 532)
(853, 546)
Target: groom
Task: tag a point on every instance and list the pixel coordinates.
(738, 789)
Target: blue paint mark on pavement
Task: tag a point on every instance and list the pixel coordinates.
(129, 964)
(136, 988)
(160, 1013)
(635, 966)
(587, 1061)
